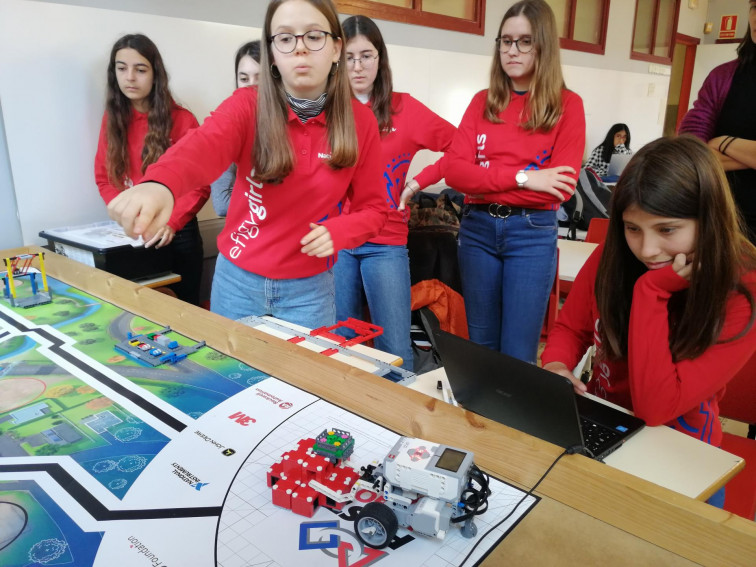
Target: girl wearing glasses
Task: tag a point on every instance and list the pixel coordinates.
(247, 73)
(141, 120)
(515, 155)
(302, 146)
(379, 269)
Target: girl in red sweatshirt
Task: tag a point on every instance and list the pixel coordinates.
(515, 156)
(668, 300)
(141, 121)
(302, 146)
(379, 269)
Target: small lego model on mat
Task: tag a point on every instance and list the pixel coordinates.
(18, 267)
(422, 486)
(156, 348)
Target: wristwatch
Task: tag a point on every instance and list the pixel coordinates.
(521, 178)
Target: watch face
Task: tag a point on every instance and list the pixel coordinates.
(521, 177)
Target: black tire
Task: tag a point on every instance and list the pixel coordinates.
(376, 525)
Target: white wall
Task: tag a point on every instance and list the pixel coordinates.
(53, 57)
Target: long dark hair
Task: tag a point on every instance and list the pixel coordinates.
(607, 146)
(383, 87)
(272, 153)
(251, 48)
(675, 178)
(544, 106)
(118, 108)
(747, 48)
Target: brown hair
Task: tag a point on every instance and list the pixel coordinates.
(380, 95)
(272, 154)
(544, 106)
(675, 178)
(118, 108)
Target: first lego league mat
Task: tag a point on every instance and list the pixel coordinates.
(108, 461)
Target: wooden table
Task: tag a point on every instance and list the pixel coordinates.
(590, 514)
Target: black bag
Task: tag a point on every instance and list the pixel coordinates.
(426, 357)
(591, 200)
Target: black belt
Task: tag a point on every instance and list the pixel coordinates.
(501, 211)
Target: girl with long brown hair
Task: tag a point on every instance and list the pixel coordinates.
(668, 300)
(379, 269)
(141, 121)
(302, 146)
(515, 156)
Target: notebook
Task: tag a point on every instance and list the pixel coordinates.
(530, 399)
(617, 164)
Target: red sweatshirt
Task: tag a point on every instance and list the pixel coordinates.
(485, 157)
(414, 127)
(684, 395)
(185, 208)
(266, 222)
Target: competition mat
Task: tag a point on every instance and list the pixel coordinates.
(105, 460)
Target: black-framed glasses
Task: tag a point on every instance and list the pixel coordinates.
(367, 60)
(524, 45)
(314, 40)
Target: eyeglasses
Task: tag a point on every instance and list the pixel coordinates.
(524, 45)
(366, 61)
(314, 40)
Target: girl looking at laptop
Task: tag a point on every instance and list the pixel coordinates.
(617, 141)
(668, 300)
(302, 146)
(516, 155)
(379, 269)
(141, 121)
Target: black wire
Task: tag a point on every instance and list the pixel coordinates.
(568, 451)
(474, 499)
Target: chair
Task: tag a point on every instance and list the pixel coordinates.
(739, 403)
(597, 230)
(552, 311)
(597, 234)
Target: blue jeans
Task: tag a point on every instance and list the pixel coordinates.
(238, 293)
(508, 268)
(382, 270)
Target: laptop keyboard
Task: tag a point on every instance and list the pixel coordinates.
(597, 438)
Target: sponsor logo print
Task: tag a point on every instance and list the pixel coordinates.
(188, 477)
(321, 155)
(272, 399)
(242, 418)
(228, 452)
(208, 439)
(142, 549)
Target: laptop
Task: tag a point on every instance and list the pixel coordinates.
(530, 399)
(617, 164)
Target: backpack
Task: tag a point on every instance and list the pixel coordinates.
(436, 214)
(591, 200)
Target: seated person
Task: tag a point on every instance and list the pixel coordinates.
(668, 299)
(617, 141)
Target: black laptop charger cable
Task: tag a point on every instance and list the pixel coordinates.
(574, 449)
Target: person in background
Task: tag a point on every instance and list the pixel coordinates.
(303, 146)
(723, 117)
(379, 269)
(617, 141)
(141, 121)
(247, 73)
(516, 156)
(668, 299)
